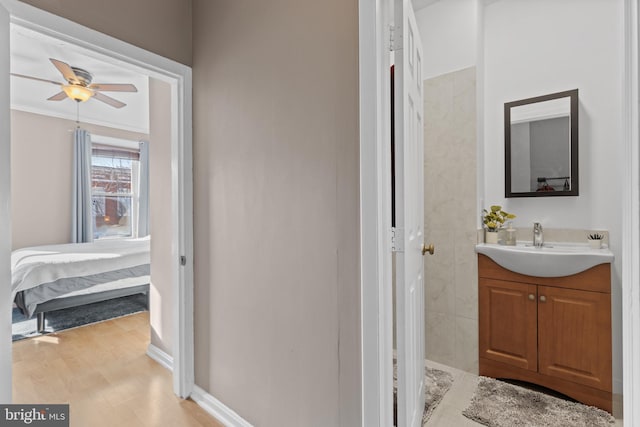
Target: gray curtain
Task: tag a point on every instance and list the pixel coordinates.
(82, 221)
(143, 191)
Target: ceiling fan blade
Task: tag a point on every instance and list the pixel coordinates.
(36, 78)
(66, 70)
(58, 97)
(113, 87)
(108, 100)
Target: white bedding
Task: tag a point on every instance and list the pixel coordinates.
(37, 265)
(110, 286)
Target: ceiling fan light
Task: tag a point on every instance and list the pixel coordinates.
(77, 93)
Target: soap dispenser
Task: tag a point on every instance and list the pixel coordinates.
(510, 235)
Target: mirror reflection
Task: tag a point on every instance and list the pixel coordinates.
(541, 146)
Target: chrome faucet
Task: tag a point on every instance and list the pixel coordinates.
(538, 239)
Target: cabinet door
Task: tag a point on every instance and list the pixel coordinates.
(574, 336)
(507, 323)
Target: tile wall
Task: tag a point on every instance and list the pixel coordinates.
(451, 290)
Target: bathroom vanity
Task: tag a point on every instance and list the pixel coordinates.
(550, 331)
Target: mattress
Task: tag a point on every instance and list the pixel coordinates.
(42, 273)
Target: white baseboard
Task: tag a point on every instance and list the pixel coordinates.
(160, 356)
(210, 404)
(617, 386)
(217, 409)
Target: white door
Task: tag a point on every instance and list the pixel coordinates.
(5, 214)
(409, 169)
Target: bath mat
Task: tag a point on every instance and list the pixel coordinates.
(500, 404)
(23, 327)
(437, 383)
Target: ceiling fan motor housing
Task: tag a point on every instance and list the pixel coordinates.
(83, 77)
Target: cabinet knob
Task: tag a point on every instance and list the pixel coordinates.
(543, 298)
(532, 297)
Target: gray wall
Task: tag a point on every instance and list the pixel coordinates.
(540, 148)
(41, 183)
(276, 209)
(550, 150)
(521, 181)
(161, 26)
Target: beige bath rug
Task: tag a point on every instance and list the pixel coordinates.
(437, 383)
(500, 404)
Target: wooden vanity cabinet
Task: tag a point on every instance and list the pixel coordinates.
(550, 331)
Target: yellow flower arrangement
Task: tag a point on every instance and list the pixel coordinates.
(496, 217)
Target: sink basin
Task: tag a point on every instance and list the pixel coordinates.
(552, 260)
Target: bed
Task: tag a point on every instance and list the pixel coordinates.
(53, 277)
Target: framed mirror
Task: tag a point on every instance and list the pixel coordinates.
(541, 146)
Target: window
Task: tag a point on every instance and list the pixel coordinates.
(114, 176)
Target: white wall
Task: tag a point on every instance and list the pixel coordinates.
(534, 48)
(537, 48)
(448, 29)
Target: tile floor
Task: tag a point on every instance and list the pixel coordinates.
(449, 412)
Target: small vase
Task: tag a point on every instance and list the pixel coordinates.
(491, 237)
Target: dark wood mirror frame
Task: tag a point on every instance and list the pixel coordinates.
(574, 178)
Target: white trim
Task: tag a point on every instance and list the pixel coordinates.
(368, 203)
(115, 142)
(375, 211)
(5, 213)
(480, 175)
(179, 77)
(630, 219)
(182, 230)
(97, 45)
(65, 116)
(218, 410)
(160, 356)
(206, 401)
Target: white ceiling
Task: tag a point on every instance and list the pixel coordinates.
(421, 4)
(30, 53)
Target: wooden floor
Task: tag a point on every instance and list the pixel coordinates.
(102, 371)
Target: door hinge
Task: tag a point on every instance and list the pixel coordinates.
(395, 38)
(397, 239)
(183, 260)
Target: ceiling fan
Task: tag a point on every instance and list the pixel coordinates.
(79, 86)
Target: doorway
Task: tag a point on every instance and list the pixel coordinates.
(178, 77)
